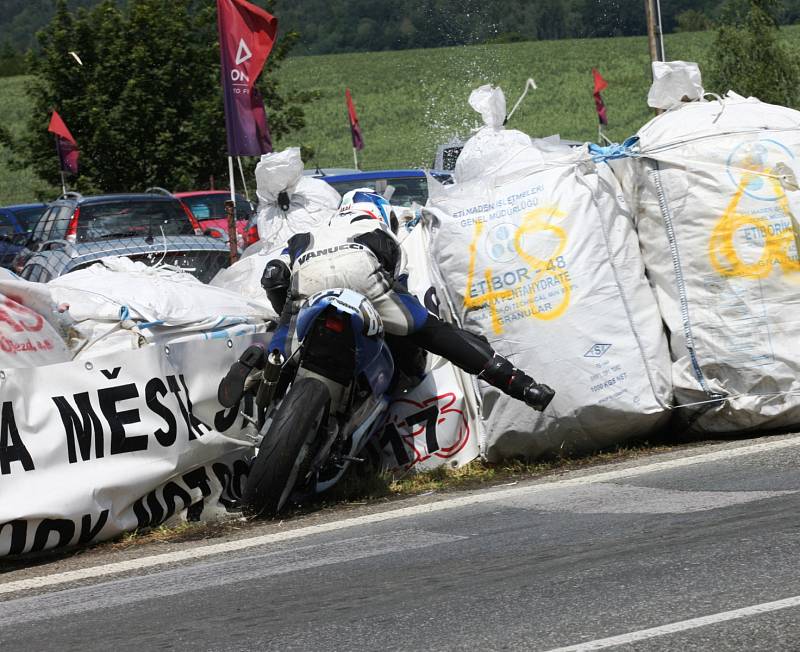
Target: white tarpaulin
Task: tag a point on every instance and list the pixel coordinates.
(436, 422)
(119, 305)
(713, 189)
(538, 253)
(92, 448)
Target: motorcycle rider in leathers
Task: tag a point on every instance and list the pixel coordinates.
(358, 250)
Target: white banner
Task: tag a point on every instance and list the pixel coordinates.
(431, 425)
(436, 422)
(93, 448)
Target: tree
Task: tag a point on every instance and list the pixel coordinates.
(146, 105)
(747, 56)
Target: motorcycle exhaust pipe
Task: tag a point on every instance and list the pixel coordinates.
(269, 379)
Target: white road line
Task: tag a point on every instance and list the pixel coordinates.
(390, 515)
(682, 626)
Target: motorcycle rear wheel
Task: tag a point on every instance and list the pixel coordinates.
(287, 449)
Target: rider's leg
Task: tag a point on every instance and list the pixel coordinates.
(404, 315)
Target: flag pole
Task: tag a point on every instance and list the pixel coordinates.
(355, 157)
(60, 168)
(230, 210)
(241, 173)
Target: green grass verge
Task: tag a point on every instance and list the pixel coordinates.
(409, 101)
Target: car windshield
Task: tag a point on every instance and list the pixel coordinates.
(27, 217)
(212, 207)
(406, 189)
(132, 218)
(22, 221)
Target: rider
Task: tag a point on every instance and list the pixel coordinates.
(358, 250)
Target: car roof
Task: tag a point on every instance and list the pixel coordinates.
(383, 174)
(20, 207)
(198, 193)
(114, 197)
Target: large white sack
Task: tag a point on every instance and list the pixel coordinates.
(119, 304)
(311, 201)
(712, 190)
(545, 263)
(32, 330)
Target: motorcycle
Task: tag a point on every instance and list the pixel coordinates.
(321, 406)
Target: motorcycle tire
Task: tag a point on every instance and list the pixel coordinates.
(287, 449)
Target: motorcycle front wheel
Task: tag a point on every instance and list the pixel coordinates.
(287, 449)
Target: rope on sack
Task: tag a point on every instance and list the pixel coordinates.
(724, 399)
(530, 84)
(628, 149)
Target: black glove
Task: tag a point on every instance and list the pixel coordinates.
(275, 280)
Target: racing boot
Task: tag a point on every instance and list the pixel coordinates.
(231, 387)
(500, 373)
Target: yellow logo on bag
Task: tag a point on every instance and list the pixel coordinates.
(778, 239)
(533, 222)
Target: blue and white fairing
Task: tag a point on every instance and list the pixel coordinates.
(373, 358)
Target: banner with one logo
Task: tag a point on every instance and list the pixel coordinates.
(93, 448)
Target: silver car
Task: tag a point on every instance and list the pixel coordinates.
(201, 256)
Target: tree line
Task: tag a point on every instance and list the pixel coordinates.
(332, 26)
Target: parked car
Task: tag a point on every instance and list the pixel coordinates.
(409, 185)
(73, 218)
(16, 224)
(208, 207)
(201, 256)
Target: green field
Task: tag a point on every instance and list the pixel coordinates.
(409, 101)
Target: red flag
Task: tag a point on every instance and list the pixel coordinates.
(66, 146)
(355, 129)
(246, 36)
(599, 85)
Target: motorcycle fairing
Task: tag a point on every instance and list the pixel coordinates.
(373, 358)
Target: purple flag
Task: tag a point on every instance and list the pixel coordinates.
(246, 36)
(66, 147)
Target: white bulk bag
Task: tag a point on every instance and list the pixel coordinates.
(542, 259)
(311, 201)
(712, 190)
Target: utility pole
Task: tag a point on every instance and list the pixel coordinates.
(655, 36)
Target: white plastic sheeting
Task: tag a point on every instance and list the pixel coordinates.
(310, 200)
(244, 276)
(714, 190)
(537, 252)
(118, 305)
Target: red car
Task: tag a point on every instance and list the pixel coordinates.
(208, 207)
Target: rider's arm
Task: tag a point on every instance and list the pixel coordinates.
(276, 280)
(386, 249)
(277, 276)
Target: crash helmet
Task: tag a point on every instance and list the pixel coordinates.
(366, 203)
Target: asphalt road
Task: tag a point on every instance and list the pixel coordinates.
(595, 555)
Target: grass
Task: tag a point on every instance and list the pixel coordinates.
(410, 101)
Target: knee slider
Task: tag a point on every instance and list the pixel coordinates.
(498, 372)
